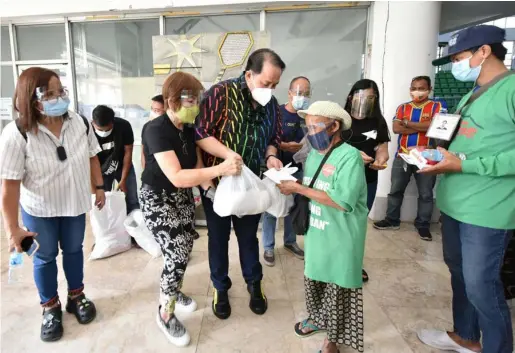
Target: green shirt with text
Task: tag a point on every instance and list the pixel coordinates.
(483, 194)
(335, 241)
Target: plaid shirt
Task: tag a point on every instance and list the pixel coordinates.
(227, 113)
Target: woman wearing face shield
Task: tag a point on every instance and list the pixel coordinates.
(335, 241)
(369, 134)
(173, 167)
(52, 153)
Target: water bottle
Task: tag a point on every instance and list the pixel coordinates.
(15, 266)
(437, 156)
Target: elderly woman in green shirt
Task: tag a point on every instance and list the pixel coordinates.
(335, 241)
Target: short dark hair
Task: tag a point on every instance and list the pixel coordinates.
(422, 78)
(498, 50)
(103, 115)
(159, 99)
(295, 79)
(257, 60)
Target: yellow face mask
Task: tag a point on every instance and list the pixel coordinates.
(187, 115)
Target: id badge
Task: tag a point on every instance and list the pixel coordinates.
(443, 126)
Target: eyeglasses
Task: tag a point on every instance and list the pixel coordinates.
(184, 143)
(51, 96)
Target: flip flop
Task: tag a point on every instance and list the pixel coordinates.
(303, 324)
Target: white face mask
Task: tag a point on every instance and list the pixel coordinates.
(103, 133)
(261, 95)
(152, 115)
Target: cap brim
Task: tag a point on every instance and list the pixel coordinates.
(442, 61)
(302, 113)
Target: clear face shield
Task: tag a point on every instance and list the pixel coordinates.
(300, 97)
(191, 98)
(363, 103)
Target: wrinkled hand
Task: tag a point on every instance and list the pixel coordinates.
(288, 187)
(449, 164)
(366, 158)
(100, 199)
(274, 163)
(123, 186)
(231, 166)
(16, 237)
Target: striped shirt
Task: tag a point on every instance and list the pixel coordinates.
(416, 114)
(227, 113)
(50, 187)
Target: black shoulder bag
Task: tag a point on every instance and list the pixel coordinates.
(473, 97)
(300, 212)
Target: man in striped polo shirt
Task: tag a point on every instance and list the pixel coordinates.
(411, 123)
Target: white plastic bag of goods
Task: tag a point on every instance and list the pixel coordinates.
(136, 227)
(241, 195)
(111, 238)
(281, 204)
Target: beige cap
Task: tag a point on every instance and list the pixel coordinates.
(329, 110)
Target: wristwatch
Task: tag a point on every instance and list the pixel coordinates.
(405, 122)
(100, 187)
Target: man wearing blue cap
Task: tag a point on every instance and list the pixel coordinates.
(476, 195)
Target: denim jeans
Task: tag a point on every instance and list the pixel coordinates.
(400, 180)
(66, 232)
(219, 231)
(371, 194)
(474, 256)
(269, 226)
(131, 196)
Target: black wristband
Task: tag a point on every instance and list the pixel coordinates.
(100, 187)
(270, 156)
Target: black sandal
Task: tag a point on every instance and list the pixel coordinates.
(83, 309)
(52, 325)
(364, 275)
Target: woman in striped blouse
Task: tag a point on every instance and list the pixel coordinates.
(46, 159)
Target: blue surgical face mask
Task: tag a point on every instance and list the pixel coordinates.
(462, 71)
(321, 140)
(55, 108)
(300, 102)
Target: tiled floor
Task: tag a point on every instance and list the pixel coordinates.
(409, 289)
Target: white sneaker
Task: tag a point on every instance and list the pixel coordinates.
(185, 304)
(441, 340)
(174, 330)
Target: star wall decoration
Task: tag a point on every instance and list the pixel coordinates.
(184, 50)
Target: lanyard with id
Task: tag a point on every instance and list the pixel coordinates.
(445, 127)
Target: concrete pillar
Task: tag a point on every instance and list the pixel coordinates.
(402, 42)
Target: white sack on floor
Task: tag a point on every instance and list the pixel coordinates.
(111, 238)
(136, 227)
